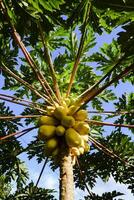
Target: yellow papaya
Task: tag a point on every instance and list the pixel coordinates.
(47, 120)
(81, 115)
(60, 112)
(46, 131)
(68, 121)
(82, 127)
(51, 144)
(60, 130)
(73, 139)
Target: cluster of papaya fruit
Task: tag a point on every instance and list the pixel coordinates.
(59, 126)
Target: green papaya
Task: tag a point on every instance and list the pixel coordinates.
(72, 109)
(60, 112)
(46, 132)
(81, 115)
(60, 130)
(73, 139)
(47, 120)
(82, 127)
(51, 144)
(68, 121)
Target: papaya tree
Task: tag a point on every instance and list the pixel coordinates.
(52, 66)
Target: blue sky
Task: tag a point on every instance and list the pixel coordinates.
(50, 179)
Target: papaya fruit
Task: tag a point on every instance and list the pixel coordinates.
(73, 139)
(60, 130)
(72, 109)
(47, 120)
(81, 115)
(46, 132)
(68, 121)
(82, 127)
(60, 112)
(51, 145)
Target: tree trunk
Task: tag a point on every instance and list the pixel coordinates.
(66, 177)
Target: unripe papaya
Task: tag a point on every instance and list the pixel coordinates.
(75, 151)
(46, 131)
(47, 120)
(81, 115)
(82, 127)
(60, 112)
(68, 121)
(73, 139)
(51, 144)
(72, 109)
(60, 130)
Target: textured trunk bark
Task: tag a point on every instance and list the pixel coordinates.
(66, 178)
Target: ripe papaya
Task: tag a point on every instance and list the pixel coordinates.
(60, 130)
(82, 127)
(81, 115)
(47, 120)
(46, 131)
(68, 121)
(73, 139)
(60, 112)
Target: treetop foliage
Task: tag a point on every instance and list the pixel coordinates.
(67, 31)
